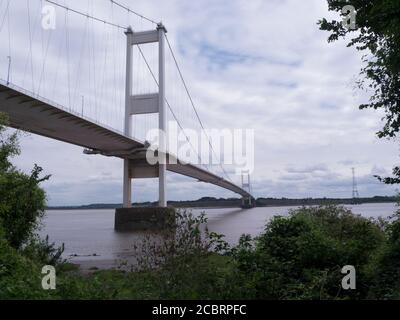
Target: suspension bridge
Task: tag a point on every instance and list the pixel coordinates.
(96, 82)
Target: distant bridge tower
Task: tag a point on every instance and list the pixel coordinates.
(246, 185)
(356, 195)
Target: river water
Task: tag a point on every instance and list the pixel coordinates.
(91, 241)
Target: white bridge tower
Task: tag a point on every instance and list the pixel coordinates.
(145, 104)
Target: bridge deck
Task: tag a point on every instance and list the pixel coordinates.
(35, 114)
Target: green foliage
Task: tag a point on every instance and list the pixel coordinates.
(8, 146)
(22, 200)
(378, 35)
(301, 256)
(23, 205)
(44, 252)
(386, 267)
(20, 278)
(171, 258)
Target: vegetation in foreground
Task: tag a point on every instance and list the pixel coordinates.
(299, 256)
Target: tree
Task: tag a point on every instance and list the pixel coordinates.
(22, 201)
(377, 34)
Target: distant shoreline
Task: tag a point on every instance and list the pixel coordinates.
(213, 203)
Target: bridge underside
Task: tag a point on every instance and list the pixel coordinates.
(37, 115)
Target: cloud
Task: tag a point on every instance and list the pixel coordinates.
(308, 169)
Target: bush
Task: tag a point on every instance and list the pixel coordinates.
(22, 200)
(23, 205)
(21, 208)
(44, 252)
(20, 277)
(182, 262)
(301, 256)
(386, 267)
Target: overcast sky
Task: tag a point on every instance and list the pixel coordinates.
(259, 64)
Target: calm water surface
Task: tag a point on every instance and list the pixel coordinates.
(90, 239)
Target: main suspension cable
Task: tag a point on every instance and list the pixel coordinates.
(131, 11)
(86, 15)
(191, 101)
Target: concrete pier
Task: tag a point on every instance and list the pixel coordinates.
(144, 218)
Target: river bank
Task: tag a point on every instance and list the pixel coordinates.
(214, 203)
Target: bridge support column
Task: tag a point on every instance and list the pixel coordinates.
(162, 116)
(127, 192)
(127, 188)
(248, 203)
(142, 219)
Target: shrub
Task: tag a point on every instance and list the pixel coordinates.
(301, 256)
(385, 269)
(22, 200)
(182, 261)
(20, 277)
(44, 252)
